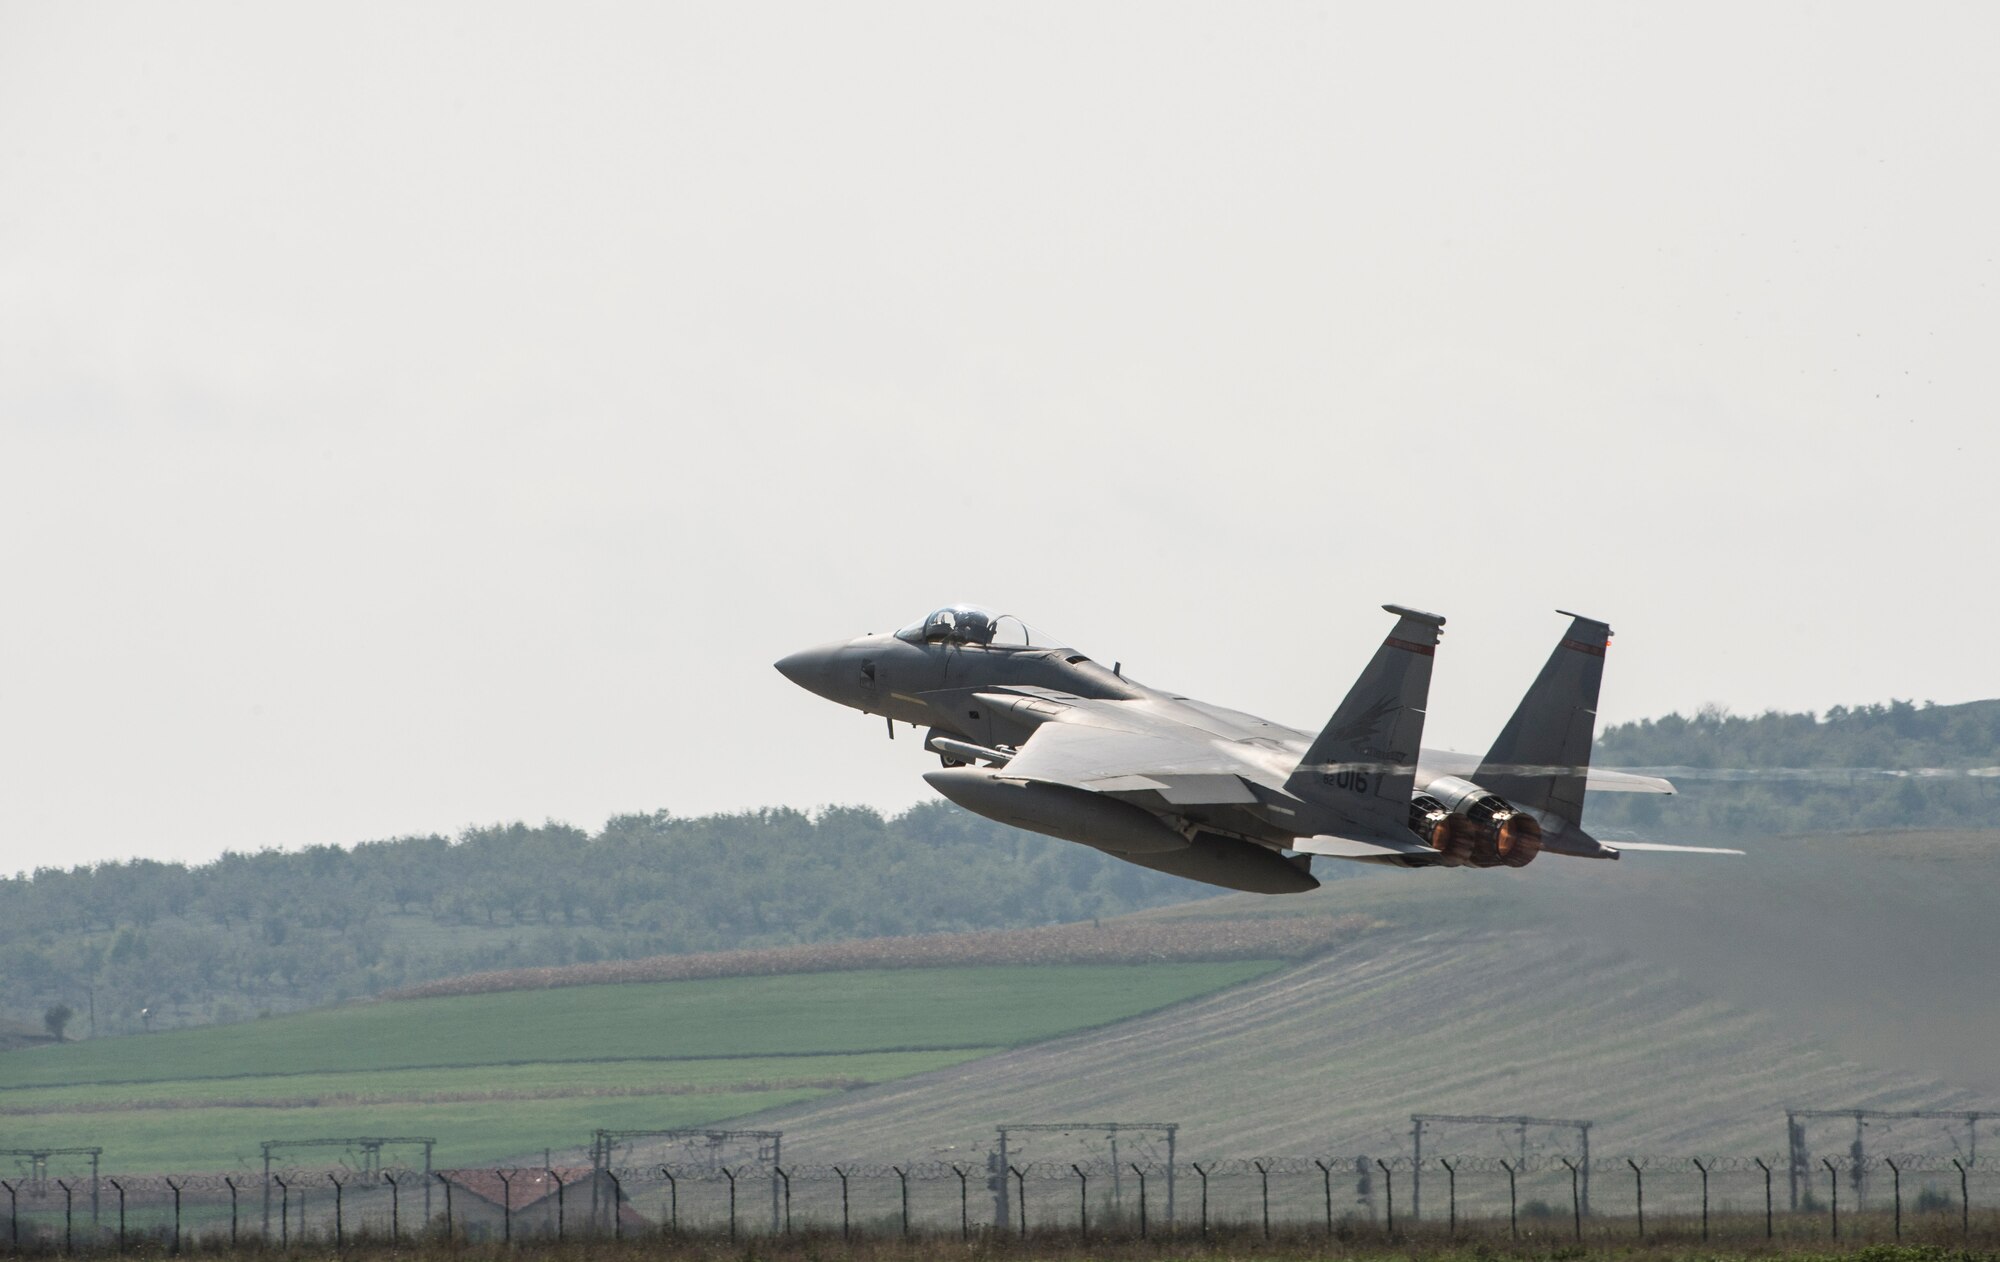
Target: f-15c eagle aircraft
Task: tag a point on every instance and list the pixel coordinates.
(1039, 736)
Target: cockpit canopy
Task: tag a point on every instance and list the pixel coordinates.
(969, 624)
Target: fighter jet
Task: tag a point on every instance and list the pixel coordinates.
(1038, 735)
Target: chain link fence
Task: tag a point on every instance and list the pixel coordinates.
(1915, 1196)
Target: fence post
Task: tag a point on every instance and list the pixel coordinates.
(1388, 1194)
(618, 1204)
(1767, 1195)
(1964, 1201)
(177, 1213)
(1142, 1198)
(1704, 1196)
(561, 1211)
(439, 1176)
(1451, 1196)
(844, 1227)
(964, 1206)
(1896, 1175)
(339, 1232)
(1204, 1197)
(1082, 1199)
(1639, 1194)
(673, 1200)
(506, 1207)
(231, 1185)
(1513, 1210)
(13, 1217)
(1833, 1193)
(1264, 1185)
(730, 1175)
(903, 1181)
(1020, 1197)
(785, 1179)
(1326, 1181)
(120, 1187)
(67, 1198)
(1575, 1200)
(395, 1206)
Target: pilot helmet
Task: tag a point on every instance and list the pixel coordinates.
(975, 625)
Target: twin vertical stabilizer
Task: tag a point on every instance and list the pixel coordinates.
(1543, 754)
(1363, 765)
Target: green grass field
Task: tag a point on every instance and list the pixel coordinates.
(540, 1078)
(803, 1014)
(497, 1075)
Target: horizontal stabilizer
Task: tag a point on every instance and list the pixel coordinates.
(1605, 780)
(1445, 762)
(1661, 845)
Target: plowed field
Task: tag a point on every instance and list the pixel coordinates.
(1681, 1009)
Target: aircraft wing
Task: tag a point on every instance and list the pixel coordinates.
(1182, 771)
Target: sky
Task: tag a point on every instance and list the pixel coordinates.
(419, 417)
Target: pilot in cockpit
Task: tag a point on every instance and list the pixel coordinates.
(969, 624)
(975, 626)
(940, 626)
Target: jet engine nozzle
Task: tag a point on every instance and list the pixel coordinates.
(1430, 821)
(1482, 829)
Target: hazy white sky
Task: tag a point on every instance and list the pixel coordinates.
(413, 417)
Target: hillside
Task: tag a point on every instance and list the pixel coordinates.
(1679, 1003)
(496, 1075)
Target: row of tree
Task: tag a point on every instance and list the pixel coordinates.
(1872, 767)
(145, 944)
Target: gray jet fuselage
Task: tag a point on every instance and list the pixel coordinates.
(1044, 738)
(938, 686)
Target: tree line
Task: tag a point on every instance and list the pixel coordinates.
(141, 944)
(1872, 767)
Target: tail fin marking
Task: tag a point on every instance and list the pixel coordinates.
(1363, 764)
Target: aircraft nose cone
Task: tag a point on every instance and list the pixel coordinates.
(808, 668)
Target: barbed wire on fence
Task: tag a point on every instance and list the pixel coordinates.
(932, 1170)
